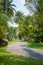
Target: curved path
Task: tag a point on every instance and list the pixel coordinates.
(21, 48)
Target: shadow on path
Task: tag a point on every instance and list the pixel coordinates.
(21, 48)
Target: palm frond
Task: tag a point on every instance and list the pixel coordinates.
(13, 5)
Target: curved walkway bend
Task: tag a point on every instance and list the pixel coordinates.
(21, 48)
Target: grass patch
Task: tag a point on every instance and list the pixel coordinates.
(35, 45)
(10, 59)
(11, 42)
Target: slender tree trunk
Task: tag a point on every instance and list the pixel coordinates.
(6, 5)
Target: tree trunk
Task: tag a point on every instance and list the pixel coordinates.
(6, 5)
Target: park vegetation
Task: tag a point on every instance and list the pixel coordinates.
(30, 27)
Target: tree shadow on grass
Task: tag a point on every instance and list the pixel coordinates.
(10, 60)
(18, 60)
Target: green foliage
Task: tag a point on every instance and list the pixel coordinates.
(31, 28)
(37, 8)
(35, 5)
(21, 29)
(35, 45)
(11, 32)
(7, 7)
(18, 15)
(10, 7)
(3, 25)
(6, 11)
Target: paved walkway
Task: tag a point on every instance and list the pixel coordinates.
(21, 48)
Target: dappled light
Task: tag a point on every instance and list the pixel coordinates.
(18, 60)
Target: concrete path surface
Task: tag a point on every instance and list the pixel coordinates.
(21, 48)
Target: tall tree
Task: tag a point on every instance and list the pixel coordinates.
(7, 6)
(18, 15)
(36, 6)
(3, 25)
(19, 19)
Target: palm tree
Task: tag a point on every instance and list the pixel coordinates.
(1, 5)
(3, 25)
(18, 16)
(19, 19)
(9, 7)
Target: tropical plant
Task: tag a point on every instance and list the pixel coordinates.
(7, 6)
(36, 6)
(3, 25)
(18, 15)
(10, 8)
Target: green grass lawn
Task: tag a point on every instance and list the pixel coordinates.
(10, 59)
(13, 59)
(11, 42)
(35, 45)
